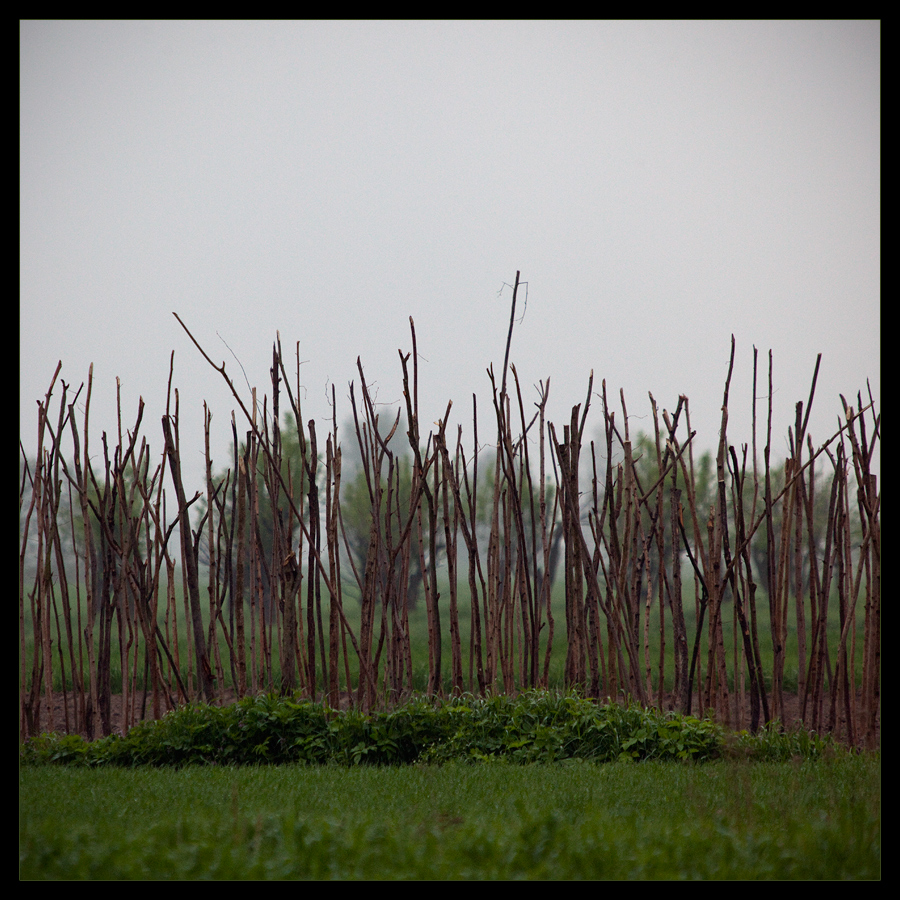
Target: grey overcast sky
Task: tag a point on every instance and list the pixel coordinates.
(660, 185)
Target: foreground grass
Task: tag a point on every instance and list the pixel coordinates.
(735, 819)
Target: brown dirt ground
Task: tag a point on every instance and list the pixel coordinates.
(64, 711)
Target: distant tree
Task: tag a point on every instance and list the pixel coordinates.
(356, 506)
(816, 487)
(815, 491)
(263, 518)
(356, 520)
(529, 499)
(654, 497)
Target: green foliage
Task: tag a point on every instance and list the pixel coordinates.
(537, 726)
(547, 727)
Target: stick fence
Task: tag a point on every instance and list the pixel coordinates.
(629, 582)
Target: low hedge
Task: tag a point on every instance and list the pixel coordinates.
(534, 727)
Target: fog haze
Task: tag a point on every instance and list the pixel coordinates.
(661, 186)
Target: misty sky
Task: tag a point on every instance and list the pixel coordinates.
(660, 185)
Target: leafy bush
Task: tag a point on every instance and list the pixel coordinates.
(534, 727)
(546, 727)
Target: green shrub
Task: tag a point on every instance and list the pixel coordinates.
(538, 726)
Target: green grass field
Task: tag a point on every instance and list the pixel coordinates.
(647, 820)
